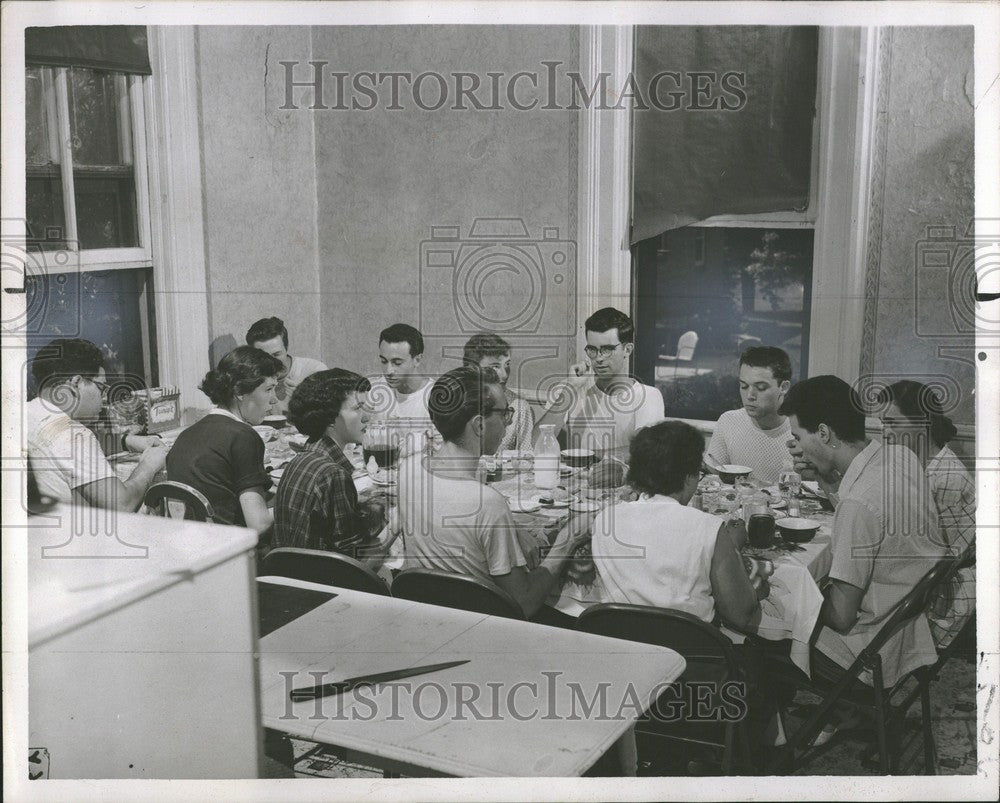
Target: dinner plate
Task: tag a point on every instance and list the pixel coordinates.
(537, 498)
(277, 474)
(777, 504)
(384, 478)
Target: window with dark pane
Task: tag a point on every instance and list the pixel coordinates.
(111, 308)
(732, 287)
(46, 223)
(103, 172)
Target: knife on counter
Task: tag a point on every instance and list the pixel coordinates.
(342, 686)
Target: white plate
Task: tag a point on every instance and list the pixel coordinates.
(584, 506)
(524, 505)
(537, 499)
(777, 504)
(277, 474)
(384, 478)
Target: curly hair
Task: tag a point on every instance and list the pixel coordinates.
(242, 370)
(663, 456)
(64, 358)
(316, 403)
(457, 397)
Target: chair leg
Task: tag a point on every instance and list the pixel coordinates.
(727, 751)
(930, 751)
(881, 726)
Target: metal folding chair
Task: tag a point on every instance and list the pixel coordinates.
(436, 587)
(325, 568)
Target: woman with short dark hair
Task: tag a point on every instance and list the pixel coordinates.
(913, 416)
(221, 455)
(317, 506)
(658, 551)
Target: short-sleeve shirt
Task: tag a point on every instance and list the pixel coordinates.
(220, 456)
(517, 435)
(317, 504)
(656, 551)
(606, 422)
(885, 538)
(455, 525)
(737, 440)
(300, 369)
(63, 454)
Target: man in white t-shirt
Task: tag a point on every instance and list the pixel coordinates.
(450, 520)
(400, 394)
(756, 436)
(64, 457)
(606, 406)
(271, 336)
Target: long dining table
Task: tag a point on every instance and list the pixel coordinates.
(530, 700)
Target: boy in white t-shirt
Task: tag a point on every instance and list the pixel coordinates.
(271, 336)
(757, 435)
(605, 407)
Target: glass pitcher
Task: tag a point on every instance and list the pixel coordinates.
(546, 458)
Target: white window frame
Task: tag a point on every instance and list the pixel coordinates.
(847, 84)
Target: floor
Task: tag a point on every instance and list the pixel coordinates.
(953, 703)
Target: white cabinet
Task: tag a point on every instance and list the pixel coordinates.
(141, 658)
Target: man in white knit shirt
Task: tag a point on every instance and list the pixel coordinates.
(757, 435)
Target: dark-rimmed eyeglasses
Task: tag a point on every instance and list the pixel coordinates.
(507, 413)
(104, 387)
(604, 351)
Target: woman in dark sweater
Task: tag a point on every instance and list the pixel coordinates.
(221, 455)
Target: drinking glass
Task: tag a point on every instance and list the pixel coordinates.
(789, 483)
(381, 443)
(760, 530)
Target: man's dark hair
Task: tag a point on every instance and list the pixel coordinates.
(920, 404)
(316, 402)
(611, 318)
(826, 400)
(457, 397)
(663, 456)
(63, 359)
(242, 370)
(266, 329)
(484, 344)
(403, 333)
(769, 357)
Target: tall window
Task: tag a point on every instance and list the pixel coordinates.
(705, 292)
(88, 214)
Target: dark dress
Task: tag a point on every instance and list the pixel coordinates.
(221, 457)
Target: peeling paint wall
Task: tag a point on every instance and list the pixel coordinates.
(929, 177)
(259, 185)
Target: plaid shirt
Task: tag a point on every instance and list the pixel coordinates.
(317, 504)
(955, 497)
(517, 435)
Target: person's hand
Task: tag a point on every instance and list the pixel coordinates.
(154, 457)
(736, 529)
(580, 369)
(607, 473)
(763, 589)
(139, 443)
(805, 469)
(575, 531)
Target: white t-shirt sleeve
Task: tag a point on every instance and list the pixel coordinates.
(717, 449)
(497, 530)
(651, 410)
(72, 450)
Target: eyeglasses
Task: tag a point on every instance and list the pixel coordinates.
(604, 351)
(104, 387)
(507, 413)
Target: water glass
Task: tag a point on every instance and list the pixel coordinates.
(760, 530)
(789, 483)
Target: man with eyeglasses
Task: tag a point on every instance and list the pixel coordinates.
(453, 522)
(606, 406)
(64, 456)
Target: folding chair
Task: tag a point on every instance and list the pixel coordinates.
(875, 699)
(710, 658)
(436, 587)
(175, 500)
(325, 568)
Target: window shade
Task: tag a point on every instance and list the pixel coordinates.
(121, 48)
(690, 163)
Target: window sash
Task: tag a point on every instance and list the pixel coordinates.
(132, 133)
